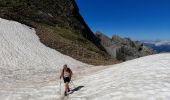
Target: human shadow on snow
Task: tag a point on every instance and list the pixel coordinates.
(76, 89)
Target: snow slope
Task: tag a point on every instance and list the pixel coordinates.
(146, 78)
(23, 56)
(25, 64)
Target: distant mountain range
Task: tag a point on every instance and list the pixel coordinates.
(159, 45)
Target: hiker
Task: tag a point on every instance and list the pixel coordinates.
(66, 74)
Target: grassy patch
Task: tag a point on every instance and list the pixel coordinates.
(75, 37)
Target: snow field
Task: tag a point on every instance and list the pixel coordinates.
(24, 58)
(29, 71)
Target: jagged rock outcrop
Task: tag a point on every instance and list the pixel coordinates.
(110, 46)
(123, 48)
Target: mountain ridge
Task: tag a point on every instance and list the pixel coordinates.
(59, 26)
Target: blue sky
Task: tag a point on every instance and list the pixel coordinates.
(137, 19)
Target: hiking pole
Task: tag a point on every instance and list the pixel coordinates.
(72, 83)
(60, 82)
(60, 86)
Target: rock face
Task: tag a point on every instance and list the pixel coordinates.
(59, 25)
(123, 48)
(110, 46)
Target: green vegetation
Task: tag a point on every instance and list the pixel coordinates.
(120, 54)
(70, 34)
(77, 38)
(74, 36)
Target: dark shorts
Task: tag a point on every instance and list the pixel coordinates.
(66, 79)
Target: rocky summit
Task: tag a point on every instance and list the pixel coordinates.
(123, 48)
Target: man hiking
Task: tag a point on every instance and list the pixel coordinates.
(66, 74)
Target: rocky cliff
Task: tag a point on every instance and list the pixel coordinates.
(123, 48)
(59, 25)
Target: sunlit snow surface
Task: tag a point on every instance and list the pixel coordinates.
(25, 63)
(146, 78)
(24, 59)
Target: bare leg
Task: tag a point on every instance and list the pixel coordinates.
(66, 87)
